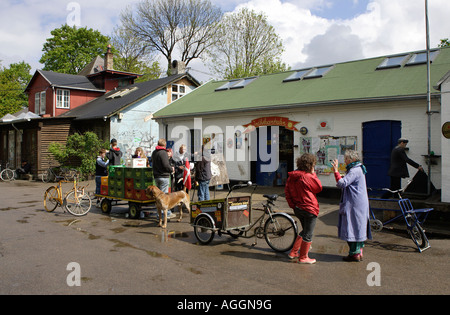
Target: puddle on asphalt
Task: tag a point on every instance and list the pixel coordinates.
(69, 222)
(118, 229)
(119, 244)
(7, 209)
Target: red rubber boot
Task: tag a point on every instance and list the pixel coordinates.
(294, 252)
(304, 249)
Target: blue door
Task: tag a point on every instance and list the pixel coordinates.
(379, 138)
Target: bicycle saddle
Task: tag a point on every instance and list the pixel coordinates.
(271, 197)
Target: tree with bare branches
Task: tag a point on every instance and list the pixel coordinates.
(187, 27)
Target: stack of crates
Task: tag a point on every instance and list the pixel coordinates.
(129, 183)
(116, 181)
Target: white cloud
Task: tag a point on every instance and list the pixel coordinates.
(386, 27)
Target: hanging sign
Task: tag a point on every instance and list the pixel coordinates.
(446, 130)
(271, 121)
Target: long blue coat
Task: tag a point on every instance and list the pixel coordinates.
(353, 223)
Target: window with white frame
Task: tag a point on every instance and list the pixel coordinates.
(178, 91)
(42, 103)
(37, 101)
(62, 98)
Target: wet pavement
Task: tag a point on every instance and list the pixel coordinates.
(118, 255)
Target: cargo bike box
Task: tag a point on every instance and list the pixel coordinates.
(234, 216)
(228, 213)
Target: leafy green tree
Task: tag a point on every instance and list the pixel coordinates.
(247, 45)
(70, 49)
(13, 81)
(79, 147)
(444, 43)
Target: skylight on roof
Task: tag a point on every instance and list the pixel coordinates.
(242, 83)
(297, 75)
(318, 72)
(122, 93)
(421, 58)
(393, 62)
(236, 84)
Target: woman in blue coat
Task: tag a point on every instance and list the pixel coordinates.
(353, 225)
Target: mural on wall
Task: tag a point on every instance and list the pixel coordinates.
(326, 149)
(129, 140)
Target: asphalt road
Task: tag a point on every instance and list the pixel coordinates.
(47, 253)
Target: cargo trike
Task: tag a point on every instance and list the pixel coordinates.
(234, 216)
(126, 185)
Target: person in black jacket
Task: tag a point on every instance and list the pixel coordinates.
(203, 175)
(162, 169)
(114, 154)
(399, 169)
(100, 171)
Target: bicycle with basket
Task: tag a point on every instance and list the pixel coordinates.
(234, 216)
(413, 218)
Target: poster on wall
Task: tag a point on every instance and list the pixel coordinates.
(326, 149)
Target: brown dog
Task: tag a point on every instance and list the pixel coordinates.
(164, 202)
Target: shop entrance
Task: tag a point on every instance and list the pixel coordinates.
(285, 156)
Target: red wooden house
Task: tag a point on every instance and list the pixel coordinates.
(51, 94)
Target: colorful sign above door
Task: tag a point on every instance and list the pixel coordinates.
(271, 121)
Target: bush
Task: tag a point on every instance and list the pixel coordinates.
(80, 152)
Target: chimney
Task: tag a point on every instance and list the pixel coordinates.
(178, 67)
(109, 62)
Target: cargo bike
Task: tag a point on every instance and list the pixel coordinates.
(126, 186)
(234, 216)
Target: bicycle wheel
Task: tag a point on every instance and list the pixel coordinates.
(203, 229)
(47, 176)
(417, 233)
(280, 233)
(79, 204)
(8, 175)
(51, 197)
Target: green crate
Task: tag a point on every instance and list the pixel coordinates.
(120, 192)
(112, 191)
(116, 171)
(129, 172)
(143, 183)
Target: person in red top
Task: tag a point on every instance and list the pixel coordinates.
(301, 188)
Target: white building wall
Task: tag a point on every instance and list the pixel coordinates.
(445, 143)
(344, 120)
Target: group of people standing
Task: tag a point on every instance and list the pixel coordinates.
(169, 169)
(353, 225)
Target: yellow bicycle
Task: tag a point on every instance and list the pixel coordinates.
(77, 201)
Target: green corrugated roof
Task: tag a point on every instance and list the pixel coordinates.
(348, 81)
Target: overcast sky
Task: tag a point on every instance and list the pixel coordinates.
(314, 32)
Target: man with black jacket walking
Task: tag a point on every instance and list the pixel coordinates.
(399, 169)
(162, 169)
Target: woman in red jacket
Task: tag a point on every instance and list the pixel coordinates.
(301, 189)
